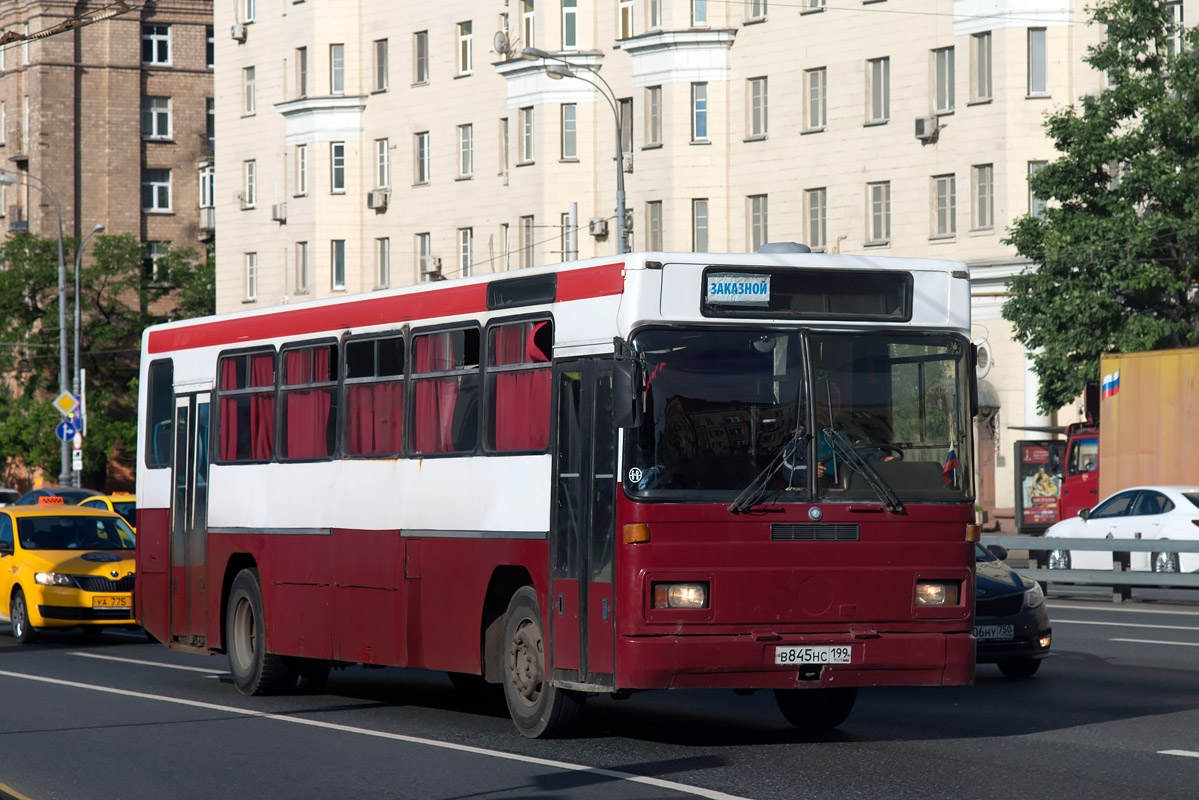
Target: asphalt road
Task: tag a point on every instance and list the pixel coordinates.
(1113, 713)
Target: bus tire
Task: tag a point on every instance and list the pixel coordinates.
(539, 709)
(254, 670)
(816, 709)
(18, 615)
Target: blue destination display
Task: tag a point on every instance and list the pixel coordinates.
(739, 289)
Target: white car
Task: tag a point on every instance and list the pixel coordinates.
(1142, 512)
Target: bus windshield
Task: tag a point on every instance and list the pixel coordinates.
(726, 409)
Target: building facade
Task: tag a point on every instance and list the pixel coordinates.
(366, 145)
(112, 119)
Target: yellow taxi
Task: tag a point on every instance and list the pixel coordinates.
(65, 566)
(124, 503)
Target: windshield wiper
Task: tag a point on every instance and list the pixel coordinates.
(847, 453)
(752, 494)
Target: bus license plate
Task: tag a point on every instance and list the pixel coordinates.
(807, 654)
(994, 633)
(111, 602)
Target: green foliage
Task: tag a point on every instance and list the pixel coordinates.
(117, 301)
(1117, 249)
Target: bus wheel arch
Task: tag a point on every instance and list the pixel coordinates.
(538, 708)
(255, 669)
(504, 583)
(237, 562)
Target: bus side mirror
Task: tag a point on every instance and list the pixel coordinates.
(626, 395)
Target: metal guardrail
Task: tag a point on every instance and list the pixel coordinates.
(1118, 577)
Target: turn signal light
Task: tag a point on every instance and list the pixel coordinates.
(636, 533)
(973, 532)
(938, 593)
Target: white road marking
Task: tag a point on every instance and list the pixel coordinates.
(1187, 753)
(1122, 609)
(151, 663)
(1126, 624)
(1157, 641)
(682, 788)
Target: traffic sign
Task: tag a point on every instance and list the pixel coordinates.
(66, 403)
(77, 461)
(65, 431)
(77, 440)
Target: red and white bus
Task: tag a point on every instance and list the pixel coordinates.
(668, 470)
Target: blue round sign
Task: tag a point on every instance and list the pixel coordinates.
(65, 431)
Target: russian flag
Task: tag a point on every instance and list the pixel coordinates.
(1111, 384)
(951, 467)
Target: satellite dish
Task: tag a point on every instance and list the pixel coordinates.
(500, 43)
(983, 365)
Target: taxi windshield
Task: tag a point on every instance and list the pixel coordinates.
(75, 533)
(127, 509)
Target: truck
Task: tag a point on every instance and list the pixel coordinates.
(1080, 472)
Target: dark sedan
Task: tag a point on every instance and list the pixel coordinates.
(1011, 622)
(70, 497)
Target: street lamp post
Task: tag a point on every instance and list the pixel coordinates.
(566, 70)
(77, 375)
(64, 475)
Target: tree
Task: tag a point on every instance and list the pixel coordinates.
(119, 298)
(1116, 249)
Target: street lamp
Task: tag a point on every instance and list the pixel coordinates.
(567, 70)
(77, 376)
(64, 474)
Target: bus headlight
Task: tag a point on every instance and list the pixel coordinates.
(680, 595)
(51, 579)
(938, 593)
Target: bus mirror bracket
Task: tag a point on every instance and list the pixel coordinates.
(626, 388)
(973, 380)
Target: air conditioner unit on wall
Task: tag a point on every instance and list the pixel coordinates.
(376, 199)
(279, 212)
(927, 128)
(430, 265)
(238, 32)
(597, 226)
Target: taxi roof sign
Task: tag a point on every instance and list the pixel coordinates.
(66, 403)
(50, 500)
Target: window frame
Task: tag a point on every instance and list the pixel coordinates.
(219, 393)
(488, 399)
(337, 68)
(420, 164)
(878, 71)
(383, 163)
(1038, 72)
(382, 76)
(981, 67)
(466, 150)
(944, 206)
(699, 115)
(157, 40)
(155, 187)
(944, 80)
(154, 116)
(816, 200)
(337, 267)
(815, 99)
(983, 185)
(465, 48)
(337, 168)
(653, 116)
(878, 234)
(415, 378)
(284, 388)
(568, 115)
(420, 58)
(347, 417)
(757, 96)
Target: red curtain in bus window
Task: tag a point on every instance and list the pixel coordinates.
(307, 410)
(262, 408)
(376, 415)
(435, 399)
(228, 410)
(522, 399)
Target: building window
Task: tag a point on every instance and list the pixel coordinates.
(816, 199)
(156, 117)
(568, 232)
(699, 112)
(625, 104)
(301, 169)
(382, 163)
(943, 98)
(248, 14)
(984, 196)
(757, 107)
(755, 9)
(210, 119)
(878, 90)
(207, 181)
(301, 267)
(465, 38)
(879, 213)
(757, 222)
(653, 225)
(699, 226)
(466, 150)
(156, 45)
(699, 12)
(420, 57)
(421, 164)
(251, 276)
(527, 20)
(424, 257)
(337, 263)
(980, 63)
(380, 65)
(626, 18)
(816, 102)
(944, 205)
(337, 69)
(1174, 30)
(209, 48)
(526, 136)
(466, 243)
(570, 24)
(247, 91)
(653, 115)
(1036, 205)
(301, 72)
(1037, 67)
(249, 184)
(3, 133)
(814, 4)
(374, 396)
(337, 167)
(307, 402)
(569, 143)
(383, 261)
(654, 13)
(156, 190)
(152, 260)
(527, 242)
(503, 145)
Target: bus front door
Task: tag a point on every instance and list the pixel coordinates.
(189, 520)
(582, 529)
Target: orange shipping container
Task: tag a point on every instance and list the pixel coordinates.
(1149, 419)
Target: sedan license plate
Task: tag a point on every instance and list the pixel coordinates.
(107, 601)
(994, 633)
(808, 654)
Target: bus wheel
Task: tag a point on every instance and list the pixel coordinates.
(255, 671)
(816, 709)
(18, 615)
(539, 709)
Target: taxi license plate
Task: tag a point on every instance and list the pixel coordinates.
(994, 633)
(808, 654)
(111, 602)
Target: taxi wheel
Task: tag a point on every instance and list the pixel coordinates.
(18, 614)
(254, 670)
(816, 709)
(1020, 668)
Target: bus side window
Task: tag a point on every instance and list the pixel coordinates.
(159, 401)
